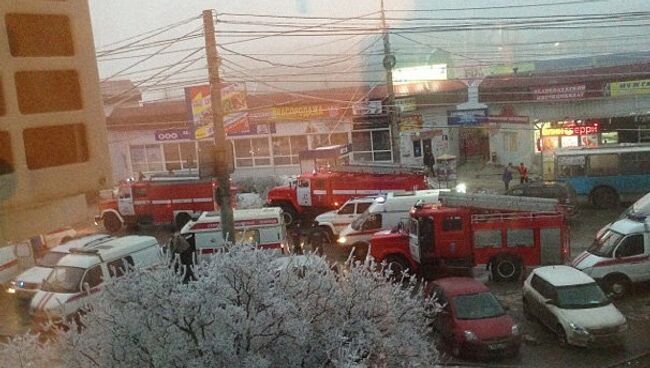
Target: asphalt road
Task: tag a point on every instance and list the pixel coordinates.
(539, 349)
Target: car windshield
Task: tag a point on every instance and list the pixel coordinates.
(477, 306)
(50, 259)
(581, 296)
(64, 280)
(604, 245)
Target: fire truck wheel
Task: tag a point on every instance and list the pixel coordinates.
(360, 251)
(506, 268)
(397, 264)
(617, 286)
(289, 215)
(182, 219)
(605, 198)
(112, 223)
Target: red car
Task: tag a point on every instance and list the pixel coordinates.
(472, 321)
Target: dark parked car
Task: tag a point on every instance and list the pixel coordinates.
(472, 321)
(563, 192)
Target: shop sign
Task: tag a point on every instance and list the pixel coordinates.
(572, 130)
(173, 135)
(638, 87)
(303, 112)
(363, 108)
(556, 93)
(198, 99)
(467, 117)
(508, 119)
(406, 104)
(410, 123)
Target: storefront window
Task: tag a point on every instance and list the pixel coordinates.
(417, 148)
(322, 140)
(609, 138)
(252, 152)
(286, 149)
(146, 158)
(180, 156)
(569, 141)
(371, 145)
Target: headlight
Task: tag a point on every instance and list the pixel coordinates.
(461, 188)
(11, 290)
(470, 336)
(342, 240)
(577, 329)
(515, 330)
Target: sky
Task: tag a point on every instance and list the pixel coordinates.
(301, 62)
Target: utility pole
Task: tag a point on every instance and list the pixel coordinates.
(393, 113)
(221, 162)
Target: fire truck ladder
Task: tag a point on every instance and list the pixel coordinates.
(378, 169)
(498, 202)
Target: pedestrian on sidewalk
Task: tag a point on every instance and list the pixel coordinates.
(507, 176)
(429, 162)
(523, 173)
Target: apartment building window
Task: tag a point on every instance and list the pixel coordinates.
(6, 157)
(252, 152)
(37, 35)
(55, 145)
(286, 149)
(44, 91)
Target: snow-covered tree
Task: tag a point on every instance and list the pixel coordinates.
(248, 308)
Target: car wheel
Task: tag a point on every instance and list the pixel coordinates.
(561, 336)
(605, 198)
(182, 219)
(529, 316)
(617, 286)
(289, 215)
(506, 268)
(112, 223)
(398, 265)
(360, 251)
(454, 349)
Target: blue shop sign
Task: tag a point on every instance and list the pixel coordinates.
(467, 117)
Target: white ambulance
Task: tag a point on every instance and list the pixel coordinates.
(333, 222)
(386, 212)
(263, 227)
(80, 276)
(620, 254)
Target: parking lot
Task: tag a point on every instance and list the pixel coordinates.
(540, 348)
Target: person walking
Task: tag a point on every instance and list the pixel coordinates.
(429, 162)
(523, 173)
(507, 176)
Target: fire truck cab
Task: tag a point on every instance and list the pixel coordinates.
(445, 239)
(318, 192)
(158, 200)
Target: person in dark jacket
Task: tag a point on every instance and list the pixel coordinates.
(507, 176)
(429, 162)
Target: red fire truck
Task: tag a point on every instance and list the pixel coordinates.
(158, 200)
(503, 233)
(312, 194)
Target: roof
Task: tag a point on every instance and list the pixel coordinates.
(109, 250)
(151, 115)
(627, 226)
(453, 286)
(254, 213)
(81, 242)
(563, 275)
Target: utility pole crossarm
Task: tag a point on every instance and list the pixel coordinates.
(221, 169)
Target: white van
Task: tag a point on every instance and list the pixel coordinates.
(263, 227)
(25, 285)
(333, 222)
(620, 255)
(386, 212)
(81, 275)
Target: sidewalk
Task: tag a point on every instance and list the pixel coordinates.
(481, 177)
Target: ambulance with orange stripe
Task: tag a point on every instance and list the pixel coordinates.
(79, 277)
(263, 227)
